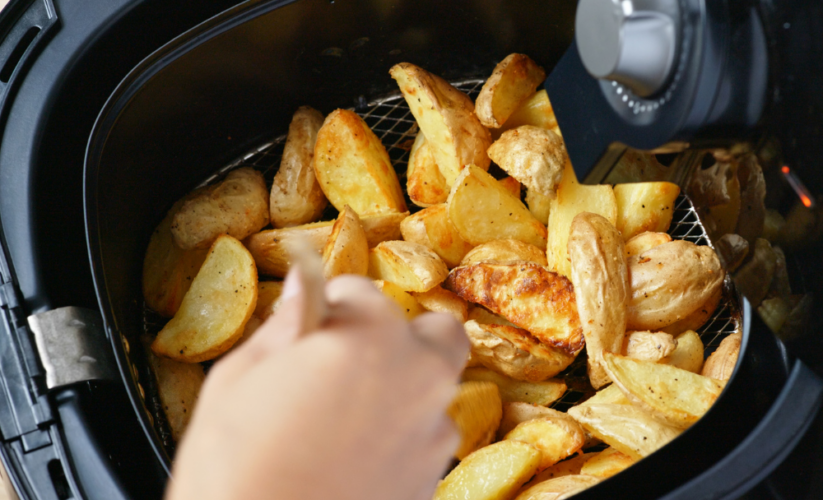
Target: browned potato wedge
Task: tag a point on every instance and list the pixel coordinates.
(601, 286)
(638, 166)
(688, 355)
(439, 299)
(347, 249)
(296, 197)
(722, 219)
(432, 228)
(709, 187)
(237, 206)
(669, 282)
(721, 362)
(532, 155)
(649, 346)
(476, 411)
(424, 182)
(626, 428)
(446, 117)
(559, 488)
(494, 472)
(569, 467)
(752, 196)
(268, 292)
(411, 266)
(516, 413)
(503, 251)
(539, 393)
(645, 241)
(539, 205)
(611, 395)
(644, 206)
(178, 385)
(486, 317)
(574, 198)
(408, 304)
(677, 397)
(556, 438)
(526, 294)
(482, 210)
(353, 168)
(698, 318)
(535, 110)
(607, 463)
(220, 301)
(753, 279)
(514, 352)
(512, 185)
(732, 250)
(514, 79)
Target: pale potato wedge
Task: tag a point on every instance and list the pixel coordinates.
(494, 472)
(649, 346)
(677, 397)
(574, 198)
(526, 294)
(535, 110)
(569, 467)
(216, 308)
(539, 393)
(486, 317)
(722, 361)
(178, 385)
(645, 241)
(504, 251)
(559, 488)
(638, 166)
(514, 352)
(237, 206)
(347, 249)
(268, 293)
(607, 463)
(411, 266)
(446, 117)
(539, 205)
(425, 184)
(408, 305)
(611, 395)
(513, 80)
(512, 185)
(556, 438)
(601, 286)
(482, 210)
(433, 228)
(353, 168)
(697, 318)
(644, 206)
(688, 355)
(515, 413)
(296, 197)
(439, 299)
(476, 411)
(534, 156)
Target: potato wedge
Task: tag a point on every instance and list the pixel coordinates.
(514, 352)
(513, 80)
(446, 117)
(574, 198)
(638, 166)
(482, 210)
(697, 318)
(611, 395)
(486, 317)
(347, 249)
(516, 413)
(178, 385)
(511, 390)
(433, 228)
(569, 467)
(512, 185)
(601, 286)
(722, 361)
(722, 219)
(237, 206)
(644, 206)
(539, 205)
(532, 155)
(504, 251)
(296, 197)
(752, 217)
(411, 266)
(494, 472)
(268, 293)
(439, 299)
(677, 397)
(476, 411)
(688, 355)
(353, 168)
(607, 463)
(669, 282)
(645, 241)
(559, 488)
(649, 346)
(535, 110)
(526, 294)
(425, 184)
(213, 313)
(556, 438)
(408, 304)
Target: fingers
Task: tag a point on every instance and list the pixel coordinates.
(445, 335)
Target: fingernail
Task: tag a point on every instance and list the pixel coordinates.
(293, 285)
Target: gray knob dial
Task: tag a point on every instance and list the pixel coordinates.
(629, 41)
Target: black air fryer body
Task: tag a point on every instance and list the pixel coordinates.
(154, 97)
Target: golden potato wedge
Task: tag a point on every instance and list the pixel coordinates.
(504, 251)
(539, 393)
(178, 385)
(611, 395)
(515, 413)
(446, 117)
(237, 206)
(268, 293)
(347, 249)
(645, 241)
(559, 488)
(774, 312)
(411, 266)
(697, 318)
(649, 346)
(607, 463)
(677, 397)
(669, 282)
(514, 352)
(220, 301)
(482, 210)
(532, 155)
(569, 467)
(688, 355)
(526, 294)
(439, 299)
(601, 286)
(425, 184)
(476, 411)
(722, 361)
(539, 205)
(408, 304)
(353, 168)
(574, 198)
(644, 206)
(512, 185)
(433, 228)
(296, 197)
(626, 428)
(638, 166)
(556, 438)
(535, 110)
(494, 472)
(513, 80)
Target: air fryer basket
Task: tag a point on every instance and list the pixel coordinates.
(222, 91)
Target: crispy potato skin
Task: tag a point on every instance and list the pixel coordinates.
(237, 206)
(513, 80)
(502, 251)
(526, 294)
(412, 267)
(296, 197)
(347, 249)
(649, 346)
(532, 155)
(438, 299)
(432, 228)
(722, 361)
(424, 182)
(697, 318)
